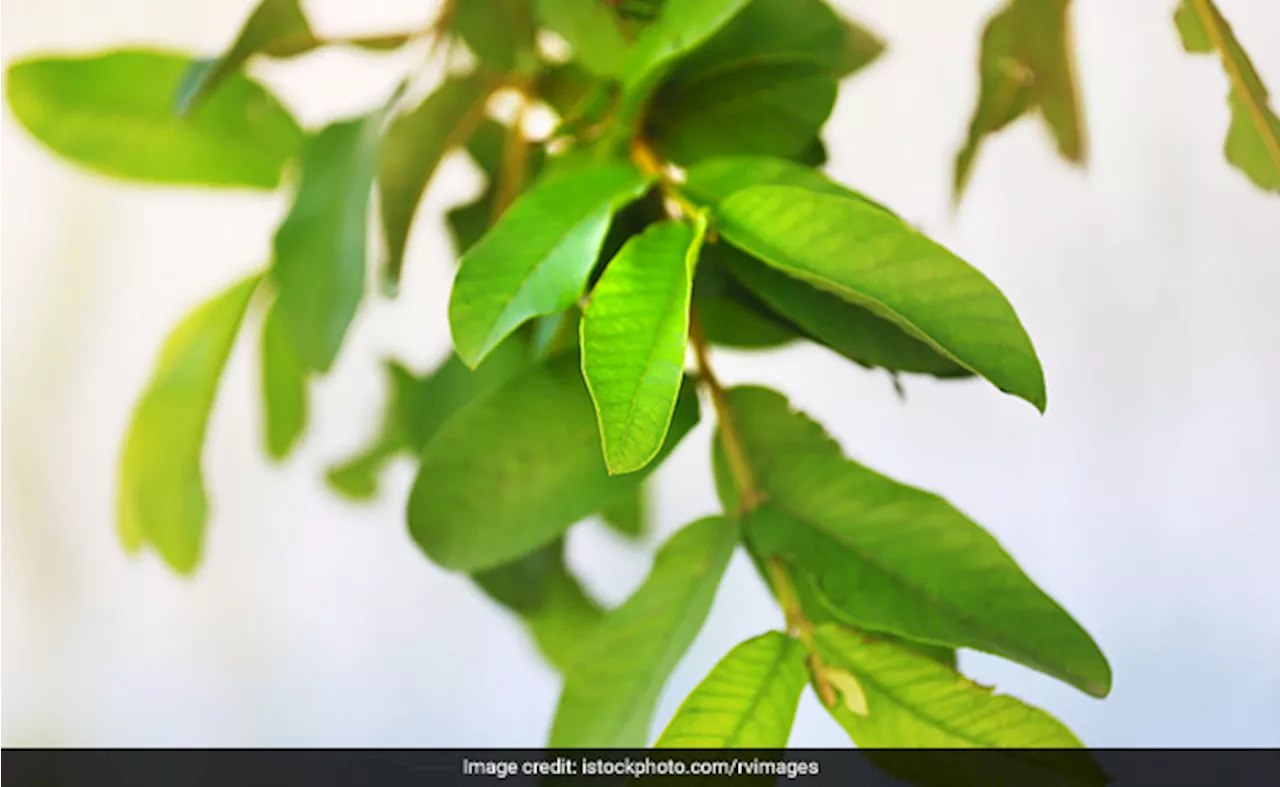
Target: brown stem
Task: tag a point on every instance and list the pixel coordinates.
(749, 493)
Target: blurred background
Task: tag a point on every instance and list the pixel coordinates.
(1147, 500)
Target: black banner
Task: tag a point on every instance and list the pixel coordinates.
(525, 768)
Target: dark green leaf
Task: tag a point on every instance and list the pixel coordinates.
(321, 246)
(872, 259)
(770, 105)
(1253, 140)
(612, 685)
(748, 701)
(113, 113)
(284, 389)
(538, 257)
(275, 27)
(1025, 65)
(893, 558)
(634, 333)
(414, 144)
(713, 180)
(628, 513)
(728, 314)
(498, 32)
(516, 469)
(592, 30)
(161, 499)
(564, 86)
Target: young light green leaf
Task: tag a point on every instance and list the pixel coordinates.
(854, 332)
(1253, 139)
(284, 389)
(769, 105)
(1025, 65)
(592, 30)
(412, 148)
(748, 701)
(612, 685)
(537, 258)
(634, 333)
(893, 558)
(628, 513)
(321, 246)
(276, 27)
(914, 702)
(161, 498)
(517, 468)
(499, 32)
(872, 259)
(113, 113)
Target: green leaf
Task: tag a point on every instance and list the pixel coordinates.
(537, 258)
(712, 180)
(627, 514)
(915, 702)
(468, 223)
(787, 29)
(612, 686)
(1253, 140)
(1025, 65)
(275, 27)
(517, 468)
(161, 498)
(893, 558)
(770, 105)
(284, 389)
(592, 30)
(872, 259)
(113, 113)
(413, 147)
(634, 334)
(564, 86)
(748, 701)
(729, 322)
(356, 478)
(499, 33)
(321, 246)
(854, 332)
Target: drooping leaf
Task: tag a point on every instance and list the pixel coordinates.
(412, 148)
(873, 259)
(537, 258)
(1025, 65)
(748, 701)
(915, 702)
(113, 113)
(1253, 139)
(892, 558)
(498, 32)
(516, 469)
(628, 513)
(634, 333)
(321, 246)
(592, 30)
(768, 105)
(284, 389)
(612, 685)
(275, 27)
(161, 498)
(787, 29)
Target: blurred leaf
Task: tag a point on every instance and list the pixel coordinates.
(275, 27)
(321, 246)
(592, 30)
(513, 471)
(634, 333)
(356, 478)
(1253, 140)
(612, 685)
(627, 514)
(284, 389)
(813, 154)
(894, 558)
(1025, 65)
(872, 259)
(537, 258)
(113, 113)
(412, 148)
(768, 105)
(748, 701)
(564, 86)
(161, 494)
(498, 32)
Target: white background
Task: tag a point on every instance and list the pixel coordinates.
(1147, 500)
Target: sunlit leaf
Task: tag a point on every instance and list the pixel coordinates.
(613, 683)
(161, 498)
(113, 113)
(748, 701)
